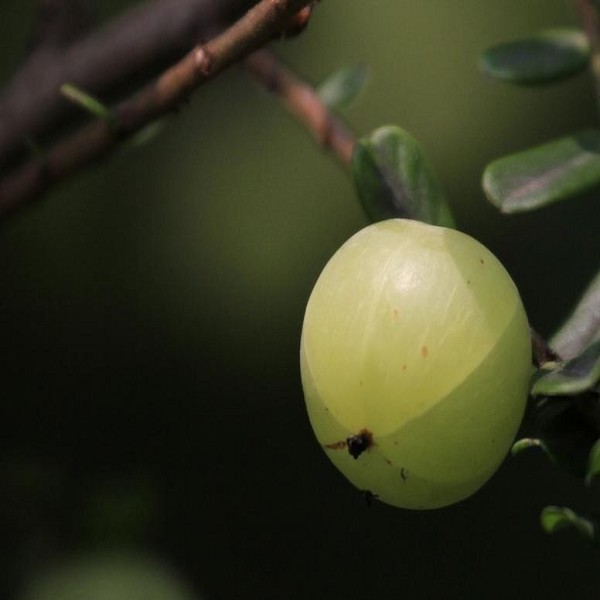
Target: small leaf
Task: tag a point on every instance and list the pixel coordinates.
(88, 103)
(555, 518)
(593, 469)
(548, 56)
(342, 88)
(565, 435)
(546, 174)
(574, 377)
(394, 179)
(524, 444)
(583, 326)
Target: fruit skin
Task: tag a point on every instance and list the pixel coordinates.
(416, 336)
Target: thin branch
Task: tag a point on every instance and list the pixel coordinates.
(153, 34)
(206, 61)
(59, 23)
(590, 16)
(301, 100)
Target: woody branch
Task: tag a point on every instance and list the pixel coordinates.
(253, 30)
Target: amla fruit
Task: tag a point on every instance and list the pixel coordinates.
(415, 363)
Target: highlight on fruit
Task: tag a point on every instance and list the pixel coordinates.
(415, 362)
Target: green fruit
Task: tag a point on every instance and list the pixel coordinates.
(415, 361)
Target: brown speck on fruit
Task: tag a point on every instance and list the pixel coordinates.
(388, 461)
(468, 282)
(482, 261)
(424, 351)
(404, 474)
(357, 444)
(404, 367)
(396, 313)
(337, 445)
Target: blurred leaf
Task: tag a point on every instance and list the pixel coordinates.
(393, 179)
(593, 469)
(548, 56)
(555, 518)
(146, 135)
(576, 376)
(88, 103)
(342, 88)
(539, 176)
(565, 435)
(583, 326)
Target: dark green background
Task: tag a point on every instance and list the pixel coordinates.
(151, 312)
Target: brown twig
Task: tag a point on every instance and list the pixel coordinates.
(301, 100)
(206, 61)
(148, 37)
(59, 23)
(590, 16)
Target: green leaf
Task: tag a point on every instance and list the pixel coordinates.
(524, 444)
(574, 377)
(565, 435)
(394, 179)
(555, 171)
(555, 518)
(593, 469)
(564, 457)
(548, 56)
(583, 326)
(343, 87)
(88, 103)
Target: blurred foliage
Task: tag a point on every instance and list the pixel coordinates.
(342, 88)
(545, 57)
(152, 313)
(108, 577)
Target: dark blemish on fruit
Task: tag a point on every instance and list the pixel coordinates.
(396, 313)
(482, 261)
(404, 474)
(361, 383)
(369, 497)
(424, 351)
(404, 367)
(468, 282)
(388, 461)
(356, 444)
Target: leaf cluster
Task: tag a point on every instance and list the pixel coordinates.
(564, 416)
